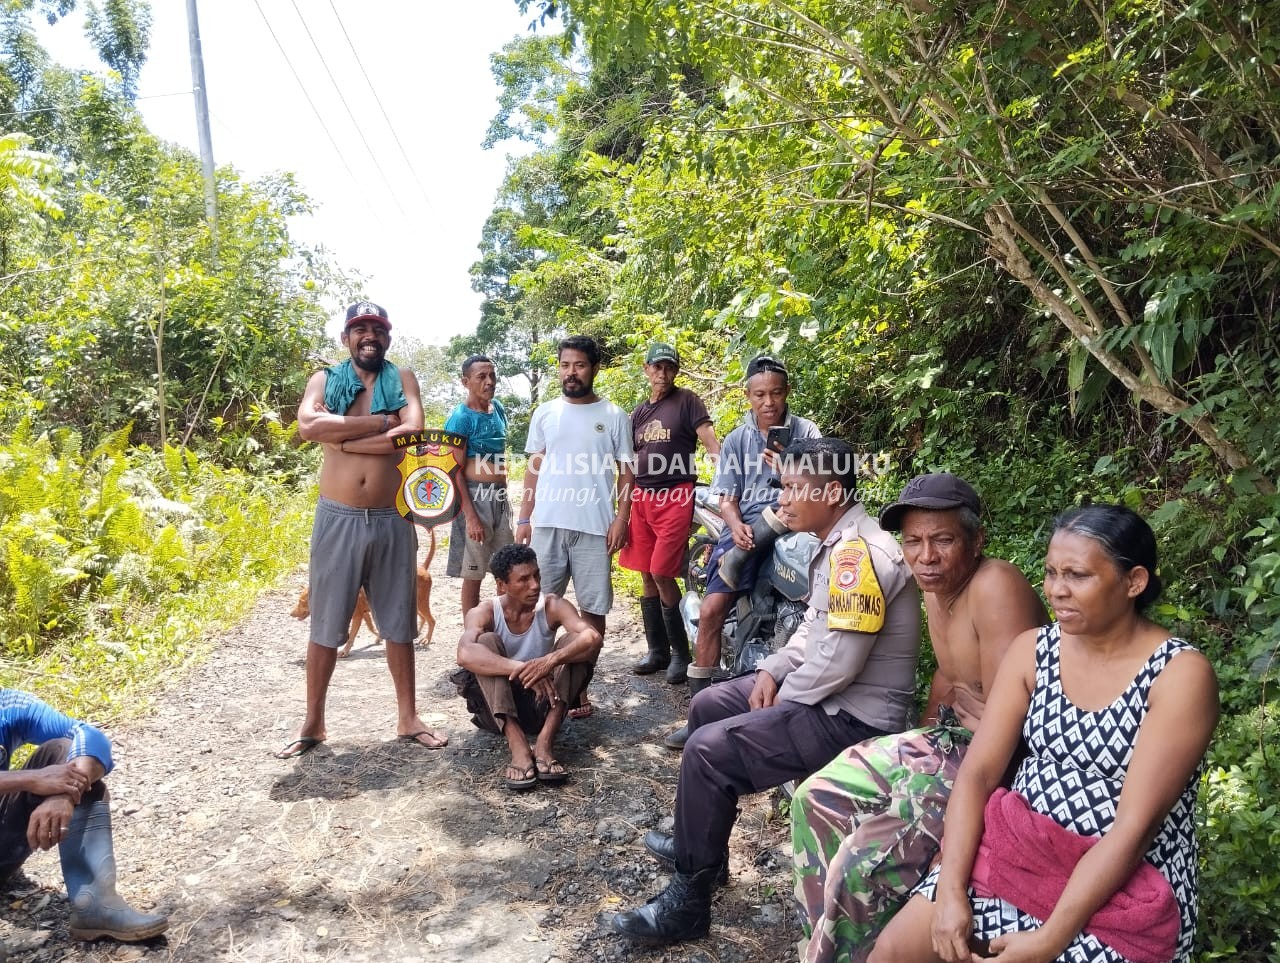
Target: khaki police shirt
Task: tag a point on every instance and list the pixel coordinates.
(869, 675)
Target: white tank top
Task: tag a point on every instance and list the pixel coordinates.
(534, 642)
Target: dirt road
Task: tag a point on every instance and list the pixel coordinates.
(373, 850)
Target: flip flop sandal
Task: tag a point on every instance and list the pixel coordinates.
(549, 770)
(432, 742)
(299, 747)
(528, 777)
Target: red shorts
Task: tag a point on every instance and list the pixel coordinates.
(659, 536)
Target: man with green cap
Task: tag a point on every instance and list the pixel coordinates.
(666, 430)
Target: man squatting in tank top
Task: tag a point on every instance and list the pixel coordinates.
(518, 678)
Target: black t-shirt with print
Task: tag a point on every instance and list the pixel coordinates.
(665, 433)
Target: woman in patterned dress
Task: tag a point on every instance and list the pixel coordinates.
(1117, 716)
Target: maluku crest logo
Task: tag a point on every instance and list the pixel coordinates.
(429, 479)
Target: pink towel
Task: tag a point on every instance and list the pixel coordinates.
(1025, 858)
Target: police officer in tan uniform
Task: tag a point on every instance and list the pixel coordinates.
(848, 673)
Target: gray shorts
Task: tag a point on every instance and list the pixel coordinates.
(564, 554)
(471, 559)
(371, 548)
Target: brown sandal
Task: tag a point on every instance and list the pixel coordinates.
(550, 771)
(526, 778)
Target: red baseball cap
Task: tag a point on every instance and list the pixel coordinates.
(367, 311)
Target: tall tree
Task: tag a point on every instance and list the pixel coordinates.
(1111, 160)
(120, 30)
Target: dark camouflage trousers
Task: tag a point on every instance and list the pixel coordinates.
(865, 830)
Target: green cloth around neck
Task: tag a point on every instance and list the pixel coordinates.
(343, 384)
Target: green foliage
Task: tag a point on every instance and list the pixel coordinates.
(120, 30)
(531, 74)
(116, 556)
(512, 331)
(1240, 885)
(438, 376)
(150, 479)
(1257, 592)
(831, 172)
(1032, 243)
(161, 333)
(73, 525)
(24, 180)
(114, 308)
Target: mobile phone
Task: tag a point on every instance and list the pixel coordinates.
(778, 437)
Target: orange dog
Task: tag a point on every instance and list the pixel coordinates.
(362, 613)
(302, 610)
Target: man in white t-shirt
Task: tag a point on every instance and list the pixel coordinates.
(581, 462)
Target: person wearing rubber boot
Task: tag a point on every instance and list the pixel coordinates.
(665, 430)
(517, 677)
(747, 482)
(847, 674)
(59, 799)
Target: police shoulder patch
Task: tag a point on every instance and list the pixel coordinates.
(855, 601)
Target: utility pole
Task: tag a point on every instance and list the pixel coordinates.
(202, 124)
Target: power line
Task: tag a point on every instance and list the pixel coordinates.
(347, 107)
(315, 110)
(378, 100)
(67, 108)
(222, 123)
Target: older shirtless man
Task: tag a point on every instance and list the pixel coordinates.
(867, 827)
(360, 540)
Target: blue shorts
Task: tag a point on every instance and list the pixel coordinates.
(747, 575)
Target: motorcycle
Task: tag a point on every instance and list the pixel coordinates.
(762, 620)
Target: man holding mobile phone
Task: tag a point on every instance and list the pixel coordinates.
(777, 438)
(748, 483)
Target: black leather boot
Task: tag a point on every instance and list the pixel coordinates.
(680, 658)
(676, 740)
(764, 532)
(680, 912)
(655, 634)
(663, 847)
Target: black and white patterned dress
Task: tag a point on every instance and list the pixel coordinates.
(1074, 775)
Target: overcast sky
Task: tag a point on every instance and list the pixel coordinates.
(410, 225)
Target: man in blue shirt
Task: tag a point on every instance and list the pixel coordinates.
(59, 799)
(747, 483)
(484, 524)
